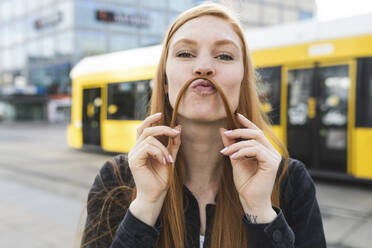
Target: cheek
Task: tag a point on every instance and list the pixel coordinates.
(232, 84)
(174, 82)
(172, 94)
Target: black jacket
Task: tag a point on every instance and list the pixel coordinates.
(298, 222)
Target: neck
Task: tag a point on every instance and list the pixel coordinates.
(201, 143)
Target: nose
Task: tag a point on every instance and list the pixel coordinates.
(203, 68)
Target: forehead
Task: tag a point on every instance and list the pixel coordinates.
(206, 28)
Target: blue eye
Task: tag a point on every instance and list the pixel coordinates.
(184, 55)
(225, 57)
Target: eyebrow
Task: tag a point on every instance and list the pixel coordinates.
(217, 43)
(226, 42)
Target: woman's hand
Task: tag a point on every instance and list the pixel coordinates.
(147, 159)
(255, 163)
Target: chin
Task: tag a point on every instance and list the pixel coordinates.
(204, 116)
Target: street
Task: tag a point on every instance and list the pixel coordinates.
(44, 184)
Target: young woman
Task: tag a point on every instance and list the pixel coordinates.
(209, 186)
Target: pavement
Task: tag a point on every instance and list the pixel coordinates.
(44, 184)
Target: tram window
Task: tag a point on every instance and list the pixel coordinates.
(269, 88)
(333, 99)
(128, 100)
(364, 93)
(299, 92)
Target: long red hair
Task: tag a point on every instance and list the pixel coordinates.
(228, 229)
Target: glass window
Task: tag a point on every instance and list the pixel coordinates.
(12, 34)
(180, 5)
(48, 47)
(7, 59)
(269, 88)
(6, 10)
(171, 18)
(65, 44)
(289, 15)
(5, 35)
(158, 22)
(11, 57)
(51, 78)
(47, 2)
(299, 92)
(120, 42)
(288, 3)
(364, 93)
(90, 43)
(18, 32)
(31, 31)
(159, 4)
(271, 15)
(86, 14)
(150, 40)
(124, 18)
(2, 11)
(254, 10)
(122, 1)
(128, 101)
(34, 51)
(2, 34)
(304, 15)
(34, 5)
(19, 57)
(333, 97)
(307, 5)
(66, 12)
(19, 7)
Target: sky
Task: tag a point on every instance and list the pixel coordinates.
(332, 9)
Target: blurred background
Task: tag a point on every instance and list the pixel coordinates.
(57, 129)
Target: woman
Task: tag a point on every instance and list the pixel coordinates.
(209, 187)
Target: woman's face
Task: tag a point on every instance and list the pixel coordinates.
(205, 46)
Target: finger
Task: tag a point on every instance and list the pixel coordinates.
(247, 152)
(153, 141)
(174, 145)
(158, 131)
(225, 139)
(246, 122)
(148, 122)
(152, 152)
(261, 153)
(239, 145)
(247, 133)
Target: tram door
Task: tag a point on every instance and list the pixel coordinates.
(91, 116)
(317, 116)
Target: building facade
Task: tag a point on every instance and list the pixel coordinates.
(41, 40)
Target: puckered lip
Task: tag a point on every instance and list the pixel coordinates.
(202, 82)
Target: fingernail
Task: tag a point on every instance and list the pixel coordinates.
(175, 130)
(157, 114)
(164, 161)
(234, 155)
(170, 158)
(224, 150)
(227, 132)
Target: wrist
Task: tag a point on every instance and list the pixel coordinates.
(258, 213)
(260, 216)
(147, 212)
(153, 200)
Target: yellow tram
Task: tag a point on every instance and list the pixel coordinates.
(315, 77)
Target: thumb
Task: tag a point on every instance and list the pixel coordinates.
(225, 140)
(175, 144)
